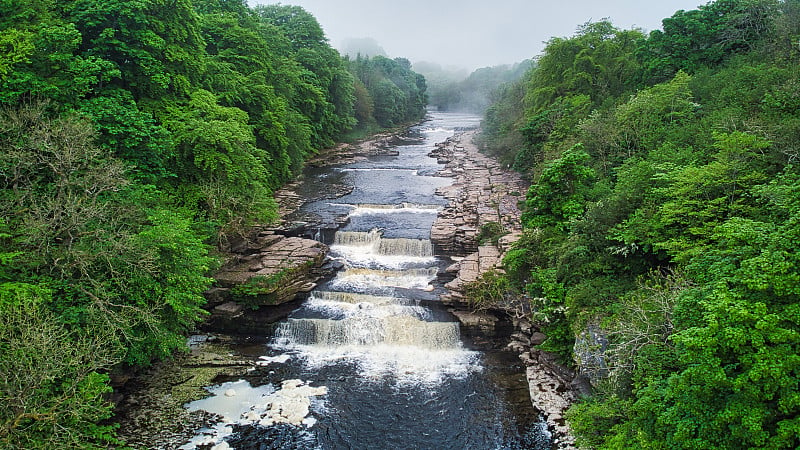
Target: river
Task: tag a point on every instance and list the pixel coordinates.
(379, 363)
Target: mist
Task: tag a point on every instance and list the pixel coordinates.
(471, 34)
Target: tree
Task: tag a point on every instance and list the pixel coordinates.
(155, 46)
(559, 196)
(54, 380)
(324, 67)
(707, 36)
(598, 61)
(223, 170)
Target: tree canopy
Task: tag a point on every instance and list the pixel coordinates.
(663, 211)
(135, 137)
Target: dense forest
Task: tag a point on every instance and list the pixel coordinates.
(662, 227)
(137, 137)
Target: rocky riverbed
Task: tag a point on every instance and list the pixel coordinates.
(264, 276)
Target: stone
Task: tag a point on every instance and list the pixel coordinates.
(538, 338)
(251, 416)
(476, 322)
(229, 309)
(297, 260)
(483, 192)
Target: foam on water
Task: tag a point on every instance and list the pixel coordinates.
(437, 130)
(359, 279)
(229, 401)
(369, 308)
(403, 208)
(377, 169)
(231, 406)
(402, 363)
(240, 403)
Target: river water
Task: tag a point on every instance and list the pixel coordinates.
(378, 363)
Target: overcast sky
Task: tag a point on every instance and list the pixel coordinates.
(471, 33)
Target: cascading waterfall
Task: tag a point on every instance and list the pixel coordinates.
(358, 278)
(381, 333)
(365, 330)
(372, 242)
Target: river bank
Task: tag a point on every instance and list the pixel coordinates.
(484, 193)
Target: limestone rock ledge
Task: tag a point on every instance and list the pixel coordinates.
(482, 192)
(485, 192)
(265, 269)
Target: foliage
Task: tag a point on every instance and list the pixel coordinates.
(259, 288)
(491, 232)
(398, 93)
(53, 382)
(490, 290)
(663, 208)
(134, 135)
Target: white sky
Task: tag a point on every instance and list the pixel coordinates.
(472, 33)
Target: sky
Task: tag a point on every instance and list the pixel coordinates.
(470, 33)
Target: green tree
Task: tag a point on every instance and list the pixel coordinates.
(221, 170)
(559, 196)
(324, 69)
(54, 381)
(598, 61)
(42, 57)
(155, 45)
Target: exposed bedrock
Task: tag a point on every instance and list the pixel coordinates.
(483, 195)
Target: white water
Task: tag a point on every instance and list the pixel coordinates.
(386, 335)
(372, 243)
(404, 208)
(367, 330)
(357, 278)
(240, 403)
(349, 304)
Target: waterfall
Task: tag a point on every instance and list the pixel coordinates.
(360, 278)
(405, 207)
(372, 242)
(365, 331)
(379, 333)
(348, 304)
(421, 248)
(352, 297)
(357, 238)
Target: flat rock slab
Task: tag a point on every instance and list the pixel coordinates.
(482, 191)
(285, 254)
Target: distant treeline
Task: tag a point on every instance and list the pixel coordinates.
(661, 251)
(451, 91)
(137, 135)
